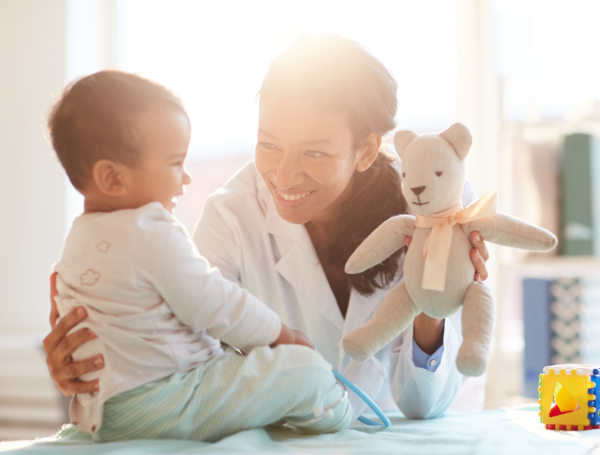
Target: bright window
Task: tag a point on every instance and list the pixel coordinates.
(214, 54)
(547, 57)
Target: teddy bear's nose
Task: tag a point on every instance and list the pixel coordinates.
(418, 190)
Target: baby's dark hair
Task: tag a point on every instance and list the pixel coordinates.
(93, 120)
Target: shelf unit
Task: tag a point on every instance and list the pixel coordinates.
(517, 182)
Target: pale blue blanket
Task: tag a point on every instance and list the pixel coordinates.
(505, 431)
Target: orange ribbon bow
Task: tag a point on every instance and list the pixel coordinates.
(437, 246)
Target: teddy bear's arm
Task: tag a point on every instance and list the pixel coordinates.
(382, 243)
(509, 231)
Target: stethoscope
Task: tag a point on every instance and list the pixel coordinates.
(326, 412)
(363, 396)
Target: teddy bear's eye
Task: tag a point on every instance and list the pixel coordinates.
(438, 173)
(404, 174)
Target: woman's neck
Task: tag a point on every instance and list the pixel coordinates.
(322, 227)
(321, 232)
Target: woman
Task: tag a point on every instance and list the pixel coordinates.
(284, 226)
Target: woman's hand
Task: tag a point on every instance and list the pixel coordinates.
(59, 346)
(428, 332)
(479, 255)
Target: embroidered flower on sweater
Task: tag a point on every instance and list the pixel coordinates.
(89, 278)
(103, 246)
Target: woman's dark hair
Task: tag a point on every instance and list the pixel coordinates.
(94, 117)
(341, 76)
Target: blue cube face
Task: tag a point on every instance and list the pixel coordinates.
(595, 378)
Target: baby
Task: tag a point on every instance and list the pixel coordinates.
(158, 309)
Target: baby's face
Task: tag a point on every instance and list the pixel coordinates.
(161, 175)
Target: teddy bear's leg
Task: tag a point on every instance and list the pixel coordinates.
(393, 315)
(477, 326)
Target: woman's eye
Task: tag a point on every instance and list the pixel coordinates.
(438, 173)
(267, 145)
(315, 153)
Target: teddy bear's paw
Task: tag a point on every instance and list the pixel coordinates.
(469, 364)
(355, 350)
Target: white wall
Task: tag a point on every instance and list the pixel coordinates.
(91, 45)
(32, 186)
(479, 110)
(478, 105)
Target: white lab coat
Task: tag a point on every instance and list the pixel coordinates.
(241, 233)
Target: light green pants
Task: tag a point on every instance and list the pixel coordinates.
(230, 393)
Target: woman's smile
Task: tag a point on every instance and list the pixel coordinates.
(305, 155)
(290, 200)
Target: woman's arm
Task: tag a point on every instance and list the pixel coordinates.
(424, 393)
(59, 346)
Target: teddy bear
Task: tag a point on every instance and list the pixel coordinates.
(438, 272)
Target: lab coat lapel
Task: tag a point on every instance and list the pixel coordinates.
(300, 266)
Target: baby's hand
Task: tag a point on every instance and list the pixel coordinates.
(302, 339)
(289, 336)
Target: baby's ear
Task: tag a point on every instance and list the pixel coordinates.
(402, 139)
(109, 177)
(459, 137)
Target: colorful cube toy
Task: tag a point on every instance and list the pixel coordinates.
(570, 397)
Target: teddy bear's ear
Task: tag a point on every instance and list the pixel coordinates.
(402, 139)
(459, 137)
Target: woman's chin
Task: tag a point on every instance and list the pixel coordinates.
(293, 216)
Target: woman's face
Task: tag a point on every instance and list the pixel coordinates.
(307, 159)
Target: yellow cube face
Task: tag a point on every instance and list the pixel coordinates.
(568, 397)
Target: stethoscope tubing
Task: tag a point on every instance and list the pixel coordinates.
(347, 383)
(363, 396)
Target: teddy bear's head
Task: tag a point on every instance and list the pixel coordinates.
(433, 168)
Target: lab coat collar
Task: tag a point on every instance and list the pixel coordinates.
(299, 264)
(298, 253)
(276, 225)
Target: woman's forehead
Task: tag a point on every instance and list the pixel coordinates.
(302, 121)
